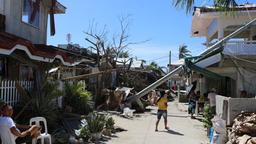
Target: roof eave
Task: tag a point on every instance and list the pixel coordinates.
(59, 8)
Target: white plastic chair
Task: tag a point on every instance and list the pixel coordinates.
(44, 135)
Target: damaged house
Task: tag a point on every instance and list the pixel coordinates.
(24, 55)
(228, 65)
(230, 53)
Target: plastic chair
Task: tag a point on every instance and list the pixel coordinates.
(44, 135)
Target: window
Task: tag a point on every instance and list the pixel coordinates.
(30, 12)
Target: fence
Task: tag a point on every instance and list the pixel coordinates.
(9, 93)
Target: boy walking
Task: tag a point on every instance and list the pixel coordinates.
(162, 109)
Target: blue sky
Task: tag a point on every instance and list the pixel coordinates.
(159, 22)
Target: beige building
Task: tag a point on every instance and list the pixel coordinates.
(229, 59)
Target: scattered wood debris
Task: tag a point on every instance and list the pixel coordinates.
(243, 129)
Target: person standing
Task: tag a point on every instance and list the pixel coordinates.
(192, 104)
(162, 109)
(212, 99)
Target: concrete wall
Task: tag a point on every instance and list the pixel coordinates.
(228, 108)
(224, 20)
(1, 6)
(14, 24)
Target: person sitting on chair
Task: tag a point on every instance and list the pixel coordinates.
(10, 131)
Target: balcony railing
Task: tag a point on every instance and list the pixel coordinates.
(243, 48)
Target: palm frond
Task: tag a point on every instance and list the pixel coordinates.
(226, 5)
(187, 4)
(183, 51)
(78, 97)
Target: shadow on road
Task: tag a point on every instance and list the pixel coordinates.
(180, 116)
(173, 132)
(175, 115)
(200, 119)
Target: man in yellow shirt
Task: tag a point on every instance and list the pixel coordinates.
(162, 109)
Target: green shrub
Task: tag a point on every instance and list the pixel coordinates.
(78, 97)
(85, 133)
(110, 123)
(43, 105)
(207, 116)
(96, 122)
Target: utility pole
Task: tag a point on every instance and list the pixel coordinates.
(170, 60)
(170, 67)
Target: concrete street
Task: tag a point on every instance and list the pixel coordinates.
(141, 129)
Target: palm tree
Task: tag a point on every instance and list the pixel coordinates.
(188, 4)
(154, 67)
(124, 54)
(183, 51)
(144, 61)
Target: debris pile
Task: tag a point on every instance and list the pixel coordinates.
(243, 129)
(118, 100)
(113, 99)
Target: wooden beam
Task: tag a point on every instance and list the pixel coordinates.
(23, 60)
(88, 75)
(71, 68)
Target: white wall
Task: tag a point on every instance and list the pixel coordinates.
(233, 106)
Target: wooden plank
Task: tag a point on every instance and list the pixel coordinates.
(15, 91)
(13, 100)
(8, 99)
(5, 96)
(1, 87)
(18, 94)
(88, 75)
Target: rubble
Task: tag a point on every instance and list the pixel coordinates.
(244, 129)
(117, 100)
(113, 100)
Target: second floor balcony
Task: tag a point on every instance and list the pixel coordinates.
(240, 48)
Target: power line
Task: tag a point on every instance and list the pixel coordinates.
(159, 58)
